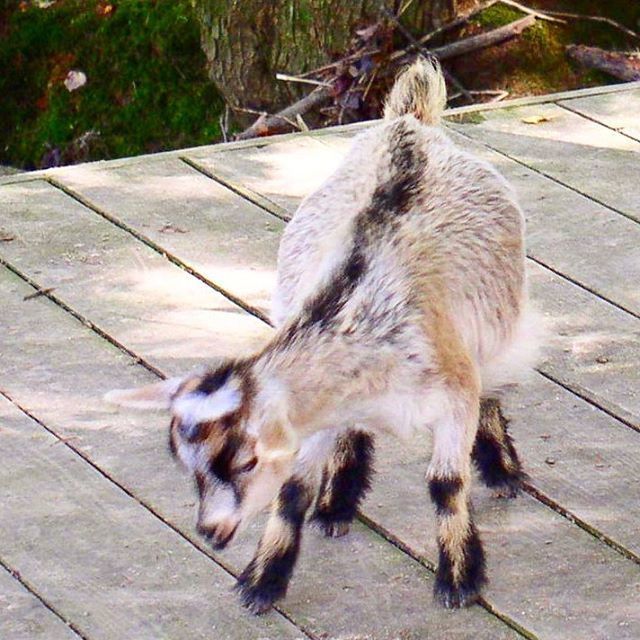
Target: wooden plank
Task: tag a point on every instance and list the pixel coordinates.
(616, 110)
(100, 558)
(582, 154)
(24, 617)
(59, 375)
(592, 347)
(87, 261)
(564, 417)
(179, 207)
(283, 173)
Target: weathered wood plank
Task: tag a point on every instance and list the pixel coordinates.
(24, 617)
(616, 110)
(582, 154)
(564, 418)
(98, 556)
(175, 206)
(59, 375)
(87, 260)
(592, 347)
(283, 172)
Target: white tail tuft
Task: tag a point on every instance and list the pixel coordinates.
(419, 90)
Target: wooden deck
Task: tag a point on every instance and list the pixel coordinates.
(114, 272)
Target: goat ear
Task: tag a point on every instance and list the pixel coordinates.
(196, 406)
(153, 396)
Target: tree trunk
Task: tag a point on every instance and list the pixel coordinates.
(248, 41)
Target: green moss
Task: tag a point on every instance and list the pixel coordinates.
(146, 88)
(497, 16)
(472, 117)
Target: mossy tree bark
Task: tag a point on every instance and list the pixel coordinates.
(248, 41)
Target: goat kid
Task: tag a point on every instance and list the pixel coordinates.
(400, 306)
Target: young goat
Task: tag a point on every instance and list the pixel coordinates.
(400, 306)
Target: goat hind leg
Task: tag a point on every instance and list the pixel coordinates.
(461, 566)
(494, 453)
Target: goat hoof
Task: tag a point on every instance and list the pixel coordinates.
(335, 529)
(253, 599)
(510, 487)
(452, 597)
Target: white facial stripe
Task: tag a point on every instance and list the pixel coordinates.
(197, 407)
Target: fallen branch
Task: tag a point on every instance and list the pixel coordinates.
(625, 66)
(287, 78)
(415, 45)
(280, 122)
(481, 41)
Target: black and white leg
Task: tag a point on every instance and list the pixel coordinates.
(461, 565)
(266, 577)
(494, 453)
(346, 478)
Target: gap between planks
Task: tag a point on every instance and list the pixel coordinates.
(309, 634)
(566, 107)
(157, 248)
(34, 592)
(548, 176)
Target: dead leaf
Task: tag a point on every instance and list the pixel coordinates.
(104, 9)
(5, 236)
(537, 119)
(74, 80)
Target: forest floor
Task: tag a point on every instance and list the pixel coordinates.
(144, 86)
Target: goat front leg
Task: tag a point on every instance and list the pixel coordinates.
(494, 453)
(266, 578)
(461, 566)
(346, 478)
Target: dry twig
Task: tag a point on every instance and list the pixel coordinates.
(546, 15)
(609, 21)
(267, 125)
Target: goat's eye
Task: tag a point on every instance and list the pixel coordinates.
(248, 466)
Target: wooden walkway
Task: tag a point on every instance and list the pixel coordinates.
(114, 272)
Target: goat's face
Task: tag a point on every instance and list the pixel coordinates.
(239, 455)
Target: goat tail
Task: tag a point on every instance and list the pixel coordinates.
(419, 90)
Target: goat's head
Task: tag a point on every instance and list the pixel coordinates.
(233, 437)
